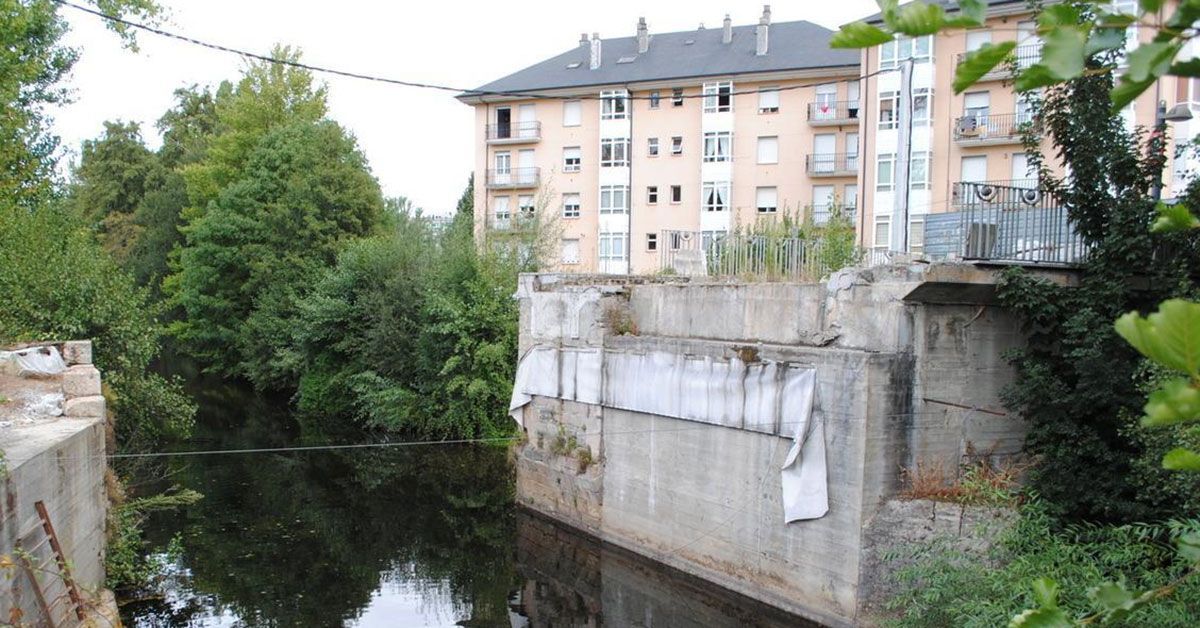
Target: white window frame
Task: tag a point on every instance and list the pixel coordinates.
(886, 223)
(614, 104)
(503, 162)
(651, 242)
(525, 206)
(614, 199)
(823, 210)
(770, 204)
(618, 152)
(916, 225)
(718, 146)
(501, 212)
(676, 198)
(892, 53)
(652, 147)
(768, 99)
(926, 94)
(716, 92)
(889, 184)
(572, 113)
(652, 195)
(677, 145)
(765, 144)
(563, 251)
(714, 196)
(570, 209)
(894, 99)
(655, 99)
(612, 246)
(567, 157)
(677, 97)
(918, 170)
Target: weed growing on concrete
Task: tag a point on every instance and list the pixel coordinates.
(978, 484)
(619, 320)
(585, 459)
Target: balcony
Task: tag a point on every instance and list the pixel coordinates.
(514, 178)
(823, 212)
(832, 164)
(985, 129)
(833, 113)
(1005, 222)
(514, 133)
(1024, 57)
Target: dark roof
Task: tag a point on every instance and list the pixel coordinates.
(792, 46)
(951, 6)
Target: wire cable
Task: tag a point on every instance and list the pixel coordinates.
(407, 83)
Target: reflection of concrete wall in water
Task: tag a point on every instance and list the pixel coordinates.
(908, 364)
(52, 436)
(571, 579)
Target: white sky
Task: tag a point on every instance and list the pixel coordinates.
(419, 142)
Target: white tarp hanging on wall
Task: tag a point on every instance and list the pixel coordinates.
(768, 397)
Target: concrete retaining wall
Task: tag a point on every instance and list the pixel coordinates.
(57, 458)
(908, 367)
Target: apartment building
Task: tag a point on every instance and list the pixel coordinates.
(655, 141)
(967, 146)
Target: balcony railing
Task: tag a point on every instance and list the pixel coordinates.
(822, 212)
(758, 257)
(830, 113)
(831, 164)
(998, 221)
(989, 128)
(514, 132)
(514, 178)
(1025, 56)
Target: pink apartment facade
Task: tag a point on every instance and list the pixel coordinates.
(636, 143)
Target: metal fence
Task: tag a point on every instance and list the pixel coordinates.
(831, 164)
(1004, 224)
(990, 127)
(837, 111)
(757, 256)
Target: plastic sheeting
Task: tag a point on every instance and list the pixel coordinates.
(768, 397)
(32, 362)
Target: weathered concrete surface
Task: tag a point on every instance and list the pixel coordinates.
(54, 454)
(898, 381)
(901, 527)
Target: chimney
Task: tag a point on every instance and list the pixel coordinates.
(727, 33)
(763, 24)
(595, 62)
(643, 36)
(583, 40)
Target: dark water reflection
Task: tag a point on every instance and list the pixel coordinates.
(417, 536)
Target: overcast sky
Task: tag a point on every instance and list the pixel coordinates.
(419, 142)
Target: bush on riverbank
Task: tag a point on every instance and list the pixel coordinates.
(953, 588)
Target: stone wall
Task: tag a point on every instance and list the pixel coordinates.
(57, 457)
(908, 368)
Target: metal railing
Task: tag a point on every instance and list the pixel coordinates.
(1024, 56)
(831, 164)
(997, 222)
(987, 126)
(514, 178)
(822, 212)
(760, 257)
(833, 111)
(514, 131)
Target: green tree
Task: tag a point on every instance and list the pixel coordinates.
(114, 174)
(303, 190)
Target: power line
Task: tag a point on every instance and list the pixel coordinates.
(416, 84)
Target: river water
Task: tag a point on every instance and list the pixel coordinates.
(413, 536)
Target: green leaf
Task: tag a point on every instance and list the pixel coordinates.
(917, 19)
(1115, 601)
(1105, 39)
(1041, 618)
(859, 35)
(1176, 401)
(1190, 67)
(1189, 546)
(1170, 336)
(1064, 51)
(1152, 60)
(1115, 20)
(1126, 91)
(1180, 459)
(1045, 592)
(979, 62)
(974, 12)
(1056, 15)
(1150, 6)
(1175, 217)
(1034, 77)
